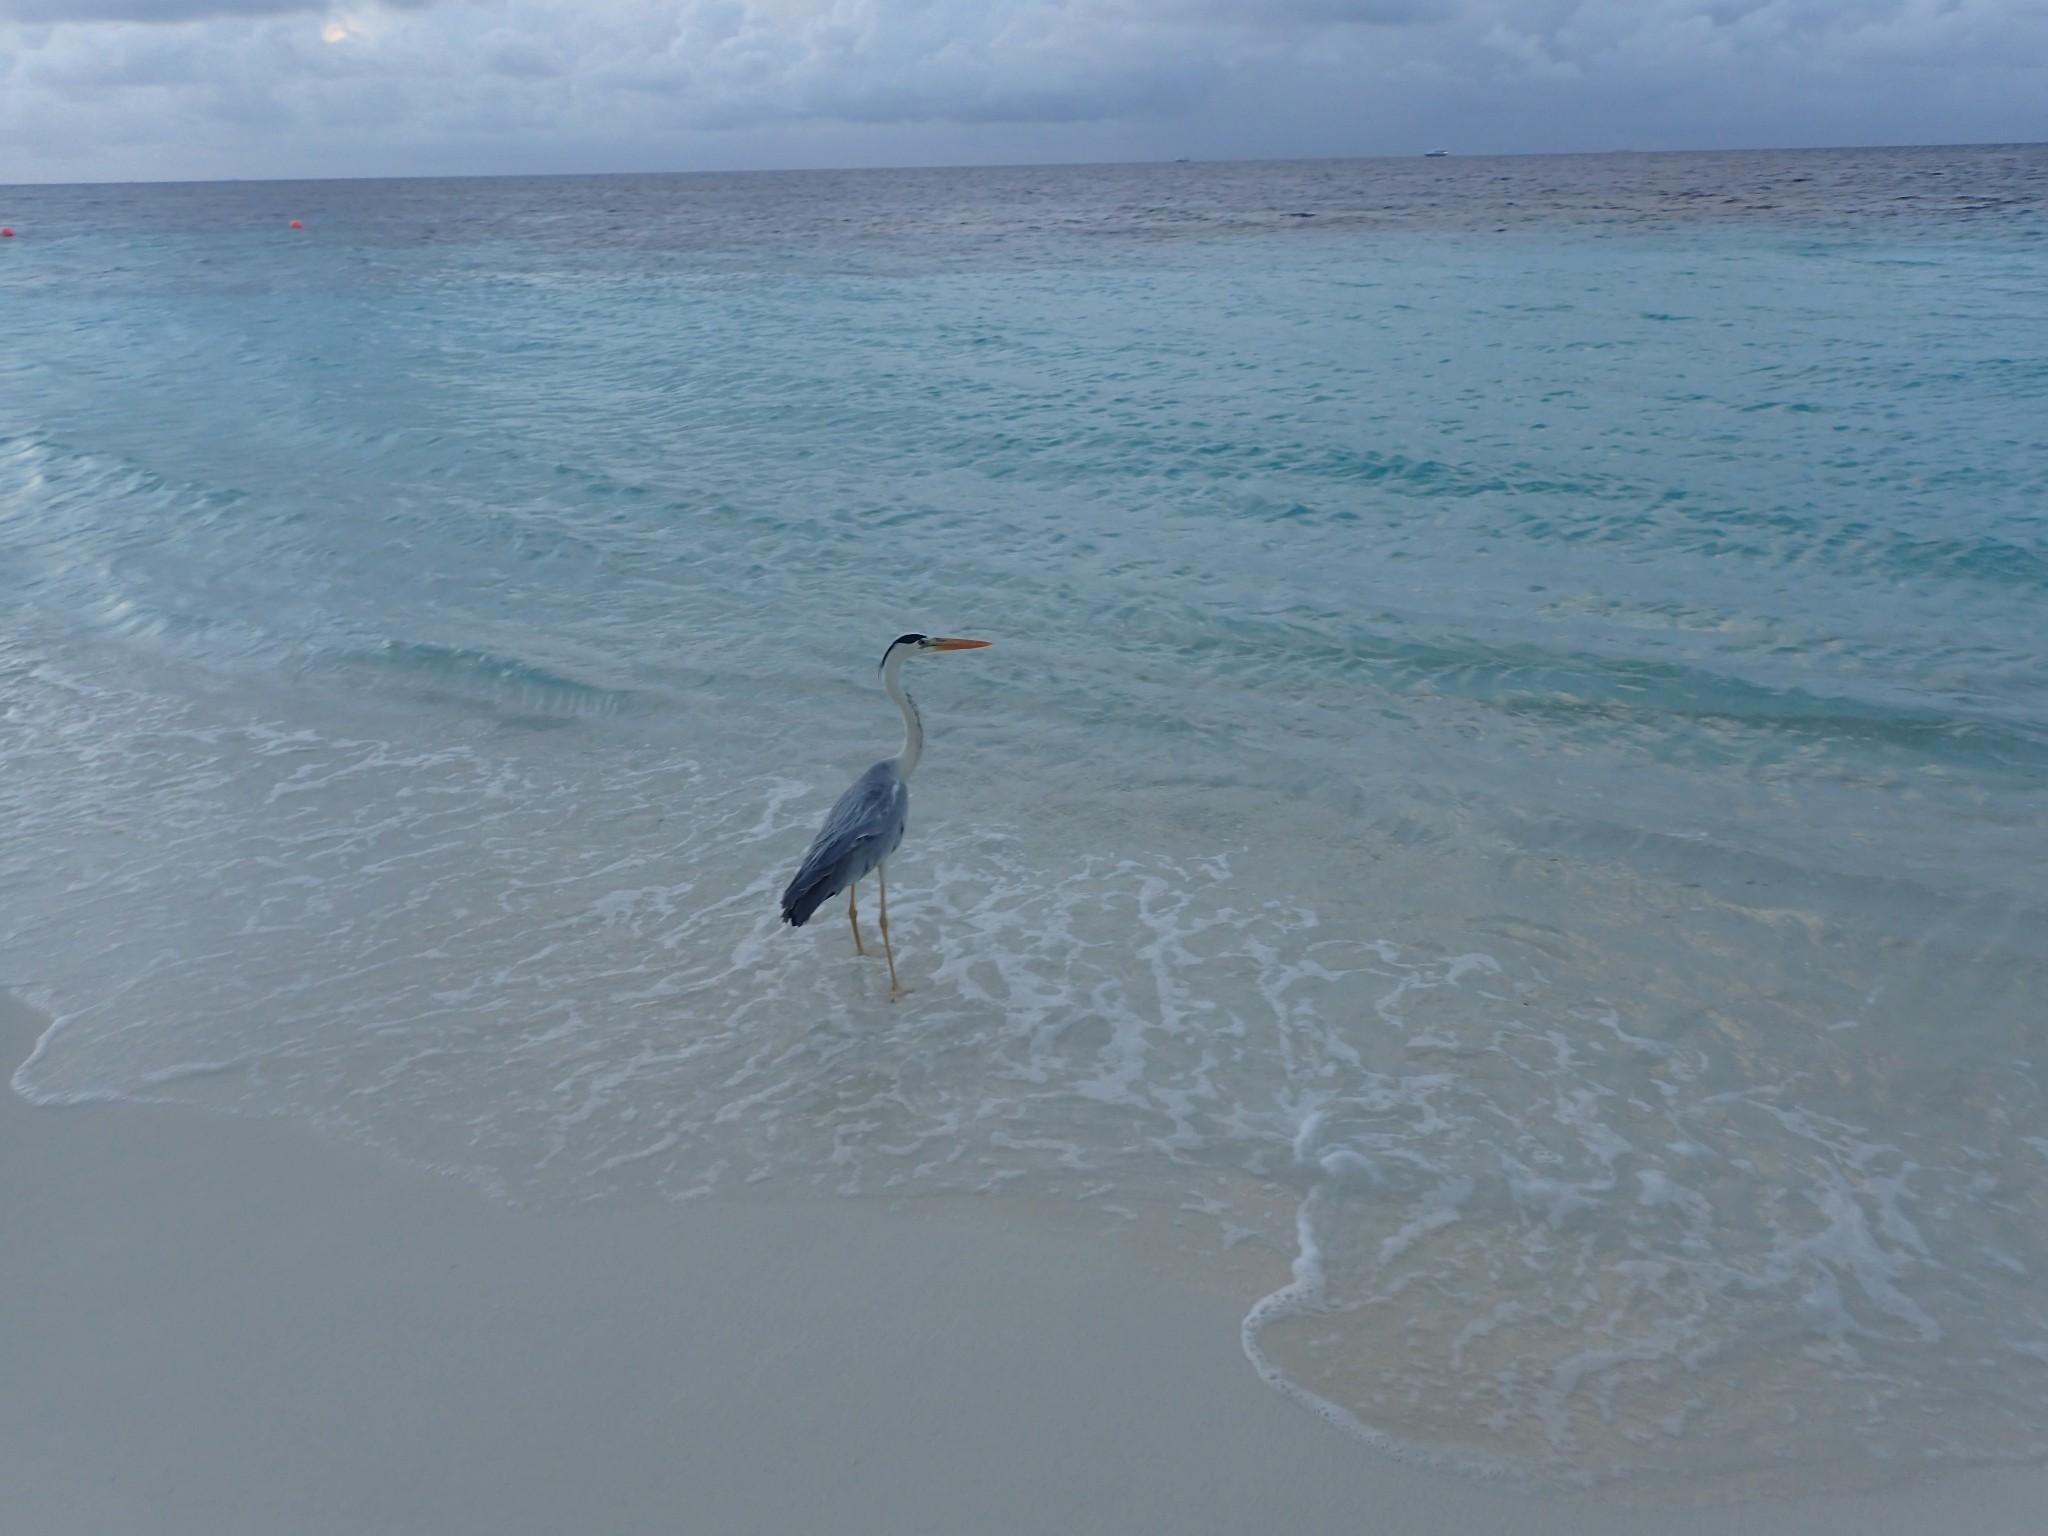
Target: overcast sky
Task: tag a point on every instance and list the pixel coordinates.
(145, 89)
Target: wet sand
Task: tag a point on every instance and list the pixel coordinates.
(225, 1326)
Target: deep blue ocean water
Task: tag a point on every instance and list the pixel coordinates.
(1513, 775)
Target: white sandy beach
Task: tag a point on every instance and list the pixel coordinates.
(227, 1326)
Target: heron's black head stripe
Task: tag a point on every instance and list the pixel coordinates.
(903, 640)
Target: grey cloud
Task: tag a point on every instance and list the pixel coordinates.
(163, 10)
(146, 10)
(525, 61)
(451, 84)
(1272, 14)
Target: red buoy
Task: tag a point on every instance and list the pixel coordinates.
(6, 231)
(297, 225)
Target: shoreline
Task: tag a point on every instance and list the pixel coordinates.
(236, 1326)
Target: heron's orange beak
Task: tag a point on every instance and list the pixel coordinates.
(960, 645)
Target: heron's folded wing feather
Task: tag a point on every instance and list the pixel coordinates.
(861, 830)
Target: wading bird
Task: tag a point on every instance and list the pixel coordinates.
(864, 828)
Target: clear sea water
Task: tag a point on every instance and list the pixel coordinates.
(1513, 776)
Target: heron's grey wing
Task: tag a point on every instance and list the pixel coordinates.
(862, 829)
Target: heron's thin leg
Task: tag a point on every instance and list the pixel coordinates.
(853, 917)
(882, 878)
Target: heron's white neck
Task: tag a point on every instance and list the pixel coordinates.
(913, 727)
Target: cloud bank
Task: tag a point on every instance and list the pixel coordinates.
(96, 89)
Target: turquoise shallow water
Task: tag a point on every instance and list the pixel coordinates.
(1511, 775)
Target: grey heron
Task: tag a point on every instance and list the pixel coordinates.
(867, 823)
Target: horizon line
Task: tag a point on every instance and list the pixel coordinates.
(1040, 165)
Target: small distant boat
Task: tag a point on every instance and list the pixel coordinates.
(1434, 154)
